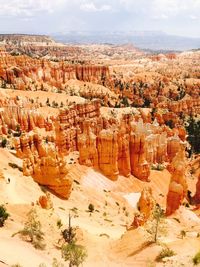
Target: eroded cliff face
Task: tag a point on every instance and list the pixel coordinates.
(178, 184)
(187, 105)
(87, 146)
(124, 163)
(25, 73)
(125, 146)
(108, 153)
(140, 168)
(44, 164)
(26, 119)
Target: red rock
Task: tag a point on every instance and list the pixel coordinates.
(146, 203)
(45, 201)
(124, 154)
(87, 146)
(44, 164)
(178, 184)
(108, 153)
(139, 166)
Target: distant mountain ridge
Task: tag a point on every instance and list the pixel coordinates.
(144, 40)
(25, 38)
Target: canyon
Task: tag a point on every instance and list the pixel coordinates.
(118, 133)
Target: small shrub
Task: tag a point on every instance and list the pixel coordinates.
(17, 134)
(176, 219)
(165, 252)
(32, 230)
(183, 233)
(75, 210)
(61, 208)
(20, 169)
(4, 142)
(196, 258)
(69, 234)
(3, 215)
(126, 213)
(75, 254)
(16, 265)
(154, 226)
(91, 207)
(157, 167)
(56, 263)
(15, 166)
(59, 223)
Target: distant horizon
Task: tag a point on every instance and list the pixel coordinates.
(52, 34)
(175, 17)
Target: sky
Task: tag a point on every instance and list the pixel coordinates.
(178, 17)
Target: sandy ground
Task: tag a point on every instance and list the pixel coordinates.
(104, 231)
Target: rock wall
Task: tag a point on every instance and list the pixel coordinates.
(126, 146)
(178, 184)
(187, 105)
(44, 164)
(107, 147)
(23, 72)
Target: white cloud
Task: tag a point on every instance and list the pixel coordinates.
(193, 17)
(46, 15)
(91, 7)
(161, 16)
(28, 7)
(175, 7)
(158, 8)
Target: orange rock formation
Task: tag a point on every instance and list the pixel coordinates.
(23, 72)
(146, 205)
(44, 164)
(178, 185)
(45, 201)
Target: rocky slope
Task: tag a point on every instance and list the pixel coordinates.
(67, 144)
